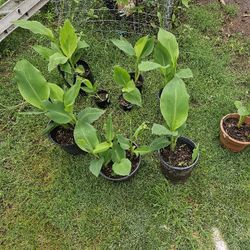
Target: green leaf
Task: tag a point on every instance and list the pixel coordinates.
(31, 84)
(96, 166)
(56, 92)
(121, 76)
(148, 48)
(102, 147)
(184, 73)
(123, 141)
(117, 153)
(66, 68)
(90, 115)
(56, 112)
(158, 129)
(82, 45)
(139, 130)
(195, 152)
(133, 97)
(124, 45)
(129, 86)
(55, 60)
(70, 96)
(148, 66)
(162, 56)
(142, 150)
(122, 168)
(159, 143)
(174, 103)
(85, 136)
(109, 131)
(68, 39)
(139, 46)
(35, 27)
(185, 3)
(242, 110)
(44, 52)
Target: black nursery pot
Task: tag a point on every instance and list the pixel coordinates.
(126, 106)
(103, 99)
(178, 174)
(139, 83)
(123, 178)
(69, 148)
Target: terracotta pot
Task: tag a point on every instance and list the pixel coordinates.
(229, 142)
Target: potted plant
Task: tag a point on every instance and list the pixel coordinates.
(56, 103)
(130, 93)
(65, 51)
(117, 158)
(181, 154)
(235, 128)
(166, 54)
(101, 96)
(142, 49)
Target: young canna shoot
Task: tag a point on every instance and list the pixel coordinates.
(243, 112)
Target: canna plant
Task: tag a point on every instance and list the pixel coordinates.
(116, 151)
(166, 54)
(243, 112)
(142, 49)
(65, 51)
(130, 92)
(53, 101)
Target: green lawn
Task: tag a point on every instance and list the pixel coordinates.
(50, 200)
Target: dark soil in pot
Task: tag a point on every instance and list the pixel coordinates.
(102, 99)
(107, 171)
(177, 165)
(240, 134)
(139, 83)
(125, 105)
(64, 137)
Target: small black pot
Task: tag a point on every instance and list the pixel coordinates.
(69, 148)
(105, 102)
(140, 81)
(126, 106)
(178, 174)
(123, 178)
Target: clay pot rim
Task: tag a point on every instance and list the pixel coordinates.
(232, 115)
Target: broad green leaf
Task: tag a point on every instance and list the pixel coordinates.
(142, 150)
(85, 136)
(121, 76)
(159, 143)
(161, 55)
(174, 103)
(123, 141)
(109, 131)
(139, 46)
(242, 110)
(44, 52)
(31, 83)
(168, 40)
(148, 49)
(96, 166)
(147, 66)
(56, 92)
(88, 84)
(133, 97)
(56, 112)
(184, 73)
(117, 153)
(90, 115)
(66, 68)
(158, 129)
(55, 60)
(70, 96)
(68, 39)
(129, 86)
(107, 156)
(123, 167)
(124, 45)
(82, 45)
(102, 147)
(35, 27)
(195, 152)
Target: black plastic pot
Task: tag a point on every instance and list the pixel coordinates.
(178, 174)
(102, 102)
(139, 83)
(126, 106)
(69, 148)
(123, 178)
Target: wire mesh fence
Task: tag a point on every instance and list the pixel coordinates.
(105, 16)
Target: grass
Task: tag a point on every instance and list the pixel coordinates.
(50, 200)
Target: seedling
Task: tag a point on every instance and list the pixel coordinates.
(243, 112)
